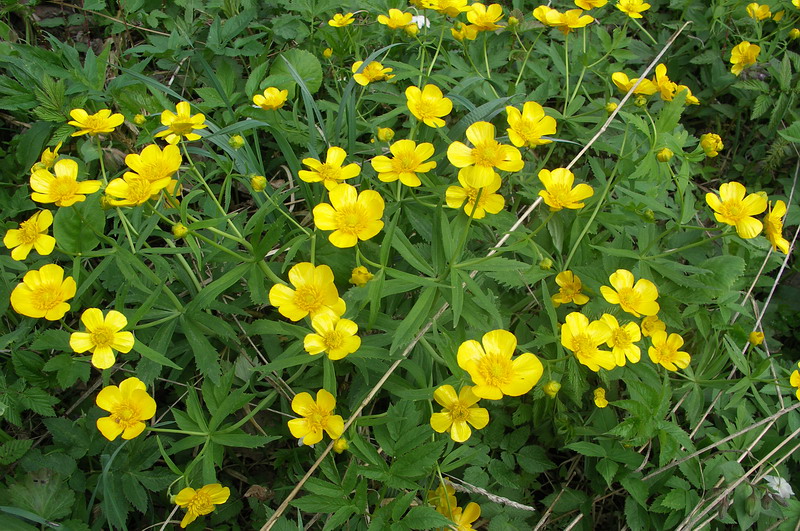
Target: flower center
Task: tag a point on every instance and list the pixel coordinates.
(406, 164)
(139, 190)
(559, 194)
(308, 298)
(459, 413)
(733, 209)
(126, 414)
(350, 220)
(103, 336)
(621, 338)
(47, 297)
(333, 340)
(328, 172)
(583, 347)
(94, 123)
(29, 231)
(63, 188)
(495, 370)
(181, 127)
(487, 153)
(427, 108)
(200, 503)
(628, 299)
(665, 353)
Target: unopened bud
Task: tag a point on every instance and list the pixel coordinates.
(513, 22)
(546, 264)
(794, 33)
(340, 445)
(551, 388)
(640, 101)
(139, 119)
(327, 53)
(411, 30)
(611, 107)
(179, 230)
(664, 155)
(756, 338)
(236, 141)
(258, 182)
(385, 134)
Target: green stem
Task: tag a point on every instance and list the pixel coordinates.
(181, 432)
(689, 246)
(635, 21)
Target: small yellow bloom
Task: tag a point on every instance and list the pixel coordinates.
(94, 124)
(610, 107)
(133, 190)
(491, 368)
(103, 335)
(314, 293)
(334, 336)
(317, 416)
(428, 105)
(236, 142)
(31, 234)
(385, 134)
(711, 144)
(444, 499)
(202, 501)
(743, 55)
(733, 208)
(665, 351)
(600, 398)
(758, 11)
(570, 287)
(272, 98)
(690, 98)
(327, 53)
(374, 71)
(583, 339)
(551, 388)
(181, 124)
(646, 87)
(360, 276)
(179, 230)
(464, 31)
(49, 157)
(485, 18)
(622, 340)
(650, 324)
(590, 4)
(408, 160)
(340, 20)
(63, 188)
(258, 182)
(479, 201)
(396, 19)
(450, 8)
(129, 405)
(352, 216)
(155, 164)
(485, 155)
(340, 445)
(572, 19)
(755, 338)
(331, 171)
(664, 155)
(632, 8)
(527, 128)
(43, 293)
(773, 227)
(459, 410)
(638, 299)
(139, 119)
(794, 379)
(794, 33)
(558, 192)
(777, 17)
(464, 518)
(662, 82)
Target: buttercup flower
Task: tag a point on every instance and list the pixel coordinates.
(31, 234)
(650, 324)
(258, 182)
(632, 8)
(132, 189)
(396, 19)
(493, 371)
(733, 208)
(464, 31)
(638, 299)
(711, 144)
(374, 71)
(63, 188)
(334, 336)
(155, 164)
(646, 87)
(622, 340)
(690, 99)
(181, 124)
(570, 287)
(755, 338)
(202, 501)
(327, 53)
(794, 380)
(541, 12)
(351, 215)
(551, 388)
(331, 171)
(314, 293)
(103, 335)
(450, 8)
(528, 127)
(340, 20)
(428, 104)
(773, 227)
(360, 276)
(558, 192)
(486, 155)
(408, 160)
(49, 157)
(317, 416)
(94, 124)
(479, 201)
(44, 292)
(584, 338)
(665, 351)
(590, 4)
(443, 499)
(757, 11)
(129, 405)
(743, 55)
(600, 398)
(458, 411)
(662, 82)
(569, 20)
(485, 18)
(273, 98)
(464, 518)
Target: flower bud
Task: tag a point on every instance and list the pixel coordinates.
(551, 388)
(105, 204)
(385, 134)
(360, 276)
(139, 119)
(664, 155)
(411, 30)
(546, 264)
(640, 100)
(258, 182)
(179, 230)
(327, 53)
(236, 141)
(513, 22)
(649, 216)
(611, 107)
(711, 144)
(794, 33)
(340, 445)
(777, 17)
(600, 398)
(756, 338)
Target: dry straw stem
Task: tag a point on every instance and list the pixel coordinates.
(522, 218)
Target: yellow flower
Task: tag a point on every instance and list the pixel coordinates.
(103, 335)
(351, 215)
(374, 71)
(340, 445)
(664, 155)
(624, 84)
(570, 287)
(528, 127)
(743, 54)
(632, 8)
(154, 164)
(93, 124)
(486, 155)
(570, 20)
(360, 276)
(273, 98)
(464, 31)
(493, 371)
(428, 104)
(611, 106)
(334, 336)
(444, 499)
(485, 18)
(181, 124)
(132, 189)
(777, 17)
(179, 230)
(665, 351)
(479, 201)
(638, 299)
(331, 171)
(129, 405)
(258, 182)
(690, 99)
(650, 324)
(558, 192)
(340, 20)
(385, 134)
(755, 338)
(711, 144)
(31, 234)
(590, 4)
(794, 380)
(409, 159)
(396, 19)
(314, 293)
(773, 227)
(662, 82)
(317, 416)
(600, 398)
(202, 501)
(327, 53)
(43, 293)
(794, 33)
(63, 188)
(733, 208)
(458, 411)
(49, 157)
(541, 13)
(139, 119)
(622, 340)
(583, 338)
(551, 388)
(464, 518)
(758, 12)
(447, 7)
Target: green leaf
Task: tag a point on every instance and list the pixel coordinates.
(51, 340)
(212, 291)
(607, 469)
(76, 227)
(425, 517)
(588, 449)
(791, 133)
(242, 440)
(154, 355)
(44, 496)
(534, 460)
(306, 65)
(13, 450)
(205, 355)
(414, 321)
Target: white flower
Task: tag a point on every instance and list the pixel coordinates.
(780, 486)
(420, 21)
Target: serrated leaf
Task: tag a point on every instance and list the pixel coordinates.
(13, 450)
(305, 64)
(425, 517)
(534, 460)
(587, 448)
(44, 495)
(76, 227)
